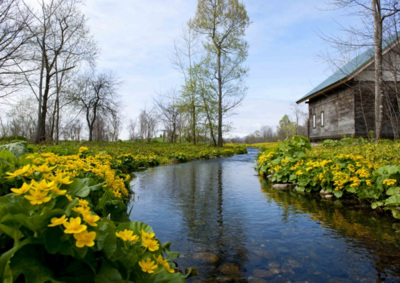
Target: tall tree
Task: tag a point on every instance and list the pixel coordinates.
(59, 31)
(186, 53)
(223, 22)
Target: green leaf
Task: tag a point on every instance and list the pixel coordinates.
(5, 270)
(27, 262)
(338, 194)
(107, 273)
(82, 187)
(393, 191)
(393, 200)
(136, 226)
(376, 204)
(53, 239)
(106, 239)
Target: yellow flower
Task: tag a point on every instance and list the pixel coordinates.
(85, 238)
(90, 219)
(147, 235)
(298, 173)
(151, 245)
(127, 235)
(389, 182)
(168, 268)
(61, 179)
(37, 197)
(160, 260)
(19, 172)
(57, 191)
(74, 226)
(148, 265)
(82, 149)
(57, 221)
(81, 209)
(42, 186)
(83, 202)
(69, 197)
(43, 168)
(25, 187)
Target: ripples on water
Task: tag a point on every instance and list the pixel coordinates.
(231, 226)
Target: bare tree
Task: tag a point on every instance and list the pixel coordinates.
(59, 41)
(147, 125)
(170, 114)
(21, 119)
(97, 96)
(13, 23)
(132, 129)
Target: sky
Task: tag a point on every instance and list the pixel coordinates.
(285, 61)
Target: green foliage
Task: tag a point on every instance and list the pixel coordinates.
(51, 194)
(345, 168)
(180, 157)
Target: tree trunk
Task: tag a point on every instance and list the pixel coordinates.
(376, 7)
(220, 143)
(193, 123)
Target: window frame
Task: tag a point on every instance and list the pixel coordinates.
(322, 119)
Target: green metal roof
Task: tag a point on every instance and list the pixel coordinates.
(347, 70)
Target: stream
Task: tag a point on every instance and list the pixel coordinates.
(233, 227)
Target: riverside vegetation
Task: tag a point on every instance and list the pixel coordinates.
(349, 168)
(63, 213)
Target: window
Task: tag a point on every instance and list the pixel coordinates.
(322, 119)
(313, 121)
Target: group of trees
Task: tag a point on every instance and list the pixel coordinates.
(210, 56)
(48, 75)
(287, 128)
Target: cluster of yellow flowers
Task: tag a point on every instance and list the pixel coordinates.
(43, 191)
(70, 166)
(147, 242)
(389, 182)
(344, 170)
(73, 225)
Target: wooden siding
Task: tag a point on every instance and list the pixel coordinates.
(338, 111)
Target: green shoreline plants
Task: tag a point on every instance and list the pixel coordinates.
(63, 213)
(64, 218)
(351, 168)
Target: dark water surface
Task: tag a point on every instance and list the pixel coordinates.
(233, 227)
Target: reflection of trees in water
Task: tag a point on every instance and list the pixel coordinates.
(377, 233)
(199, 191)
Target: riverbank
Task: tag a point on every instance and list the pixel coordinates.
(350, 168)
(68, 203)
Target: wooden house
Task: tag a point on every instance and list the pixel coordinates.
(343, 104)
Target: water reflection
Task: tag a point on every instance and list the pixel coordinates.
(378, 233)
(231, 227)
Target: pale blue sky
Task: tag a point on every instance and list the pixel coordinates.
(136, 39)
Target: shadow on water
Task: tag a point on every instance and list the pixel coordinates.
(232, 227)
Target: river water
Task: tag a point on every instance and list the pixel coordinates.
(233, 227)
